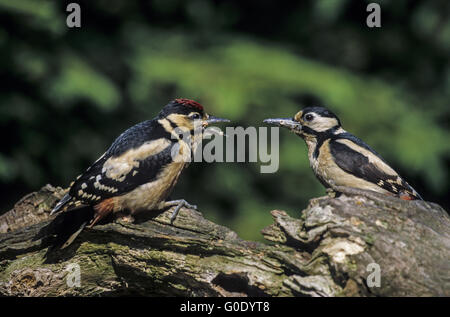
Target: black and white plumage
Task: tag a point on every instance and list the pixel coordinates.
(339, 158)
(141, 167)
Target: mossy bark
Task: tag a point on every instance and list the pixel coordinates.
(333, 249)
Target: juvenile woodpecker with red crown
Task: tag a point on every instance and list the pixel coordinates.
(339, 158)
(141, 167)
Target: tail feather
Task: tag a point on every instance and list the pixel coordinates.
(64, 228)
(74, 235)
(412, 192)
(66, 199)
(418, 195)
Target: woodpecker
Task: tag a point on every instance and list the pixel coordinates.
(141, 167)
(339, 158)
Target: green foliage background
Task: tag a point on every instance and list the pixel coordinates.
(67, 93)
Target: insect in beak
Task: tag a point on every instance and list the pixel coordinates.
(288, 123)
(213, 119)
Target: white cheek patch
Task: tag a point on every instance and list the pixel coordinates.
(321, 124)
(181, 121)
(339, 131)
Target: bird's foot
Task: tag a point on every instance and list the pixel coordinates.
(179, 204)
(331, 192)
(315, 201)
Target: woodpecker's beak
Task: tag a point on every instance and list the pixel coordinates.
(214, 130)
(212, 119)
(289, 123)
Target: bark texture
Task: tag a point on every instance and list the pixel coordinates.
(334, 248)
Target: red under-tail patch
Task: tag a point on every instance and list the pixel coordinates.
(102, 209)
(189, 102)
(406, 196)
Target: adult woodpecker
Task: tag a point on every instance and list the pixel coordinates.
(339, 158)
(141, 167)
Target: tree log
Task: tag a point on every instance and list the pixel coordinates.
(336, 248)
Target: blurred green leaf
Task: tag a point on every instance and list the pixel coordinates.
(78, 79)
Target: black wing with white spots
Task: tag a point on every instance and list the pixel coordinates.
(94, 185)
(359, 165)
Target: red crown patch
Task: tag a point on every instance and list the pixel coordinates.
(189, 103)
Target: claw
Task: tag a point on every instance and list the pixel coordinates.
(179, 204)
(175, 213)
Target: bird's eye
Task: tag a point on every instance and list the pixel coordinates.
(309, 117)
(195, 116)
